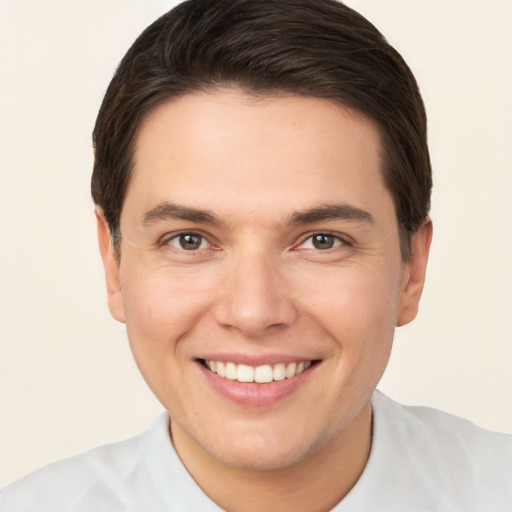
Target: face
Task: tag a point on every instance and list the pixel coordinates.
(260, 277)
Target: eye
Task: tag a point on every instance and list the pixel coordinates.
(188, 242)
(322, 241)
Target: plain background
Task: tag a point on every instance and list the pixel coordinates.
(68, 382)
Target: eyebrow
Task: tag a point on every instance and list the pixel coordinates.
(331, 212)
(171, 211)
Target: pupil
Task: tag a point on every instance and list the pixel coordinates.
(190, 242)
(323, 241)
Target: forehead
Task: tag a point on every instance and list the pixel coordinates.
(231, 151)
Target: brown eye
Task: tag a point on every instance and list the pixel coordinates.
(188, 242)
(323, 241)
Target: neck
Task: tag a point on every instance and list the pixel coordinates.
(318, 482)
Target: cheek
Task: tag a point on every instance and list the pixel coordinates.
(163, 310)
(163, 304)
(354, 307)
(357, 306)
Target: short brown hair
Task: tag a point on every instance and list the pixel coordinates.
(318, 48)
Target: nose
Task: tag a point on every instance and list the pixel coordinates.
(254, 299)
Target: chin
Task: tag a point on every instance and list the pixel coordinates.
(258, 462)
(261, 453)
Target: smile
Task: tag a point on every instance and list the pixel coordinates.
(260, 374)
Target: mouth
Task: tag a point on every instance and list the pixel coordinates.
(262, 374)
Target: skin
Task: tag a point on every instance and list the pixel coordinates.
(258, 289)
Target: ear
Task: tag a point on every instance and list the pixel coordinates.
(111, 266)
(414, 275)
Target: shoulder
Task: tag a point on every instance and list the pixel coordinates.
(429, 456)
(432, 428)
(94, 480)
(141, 473)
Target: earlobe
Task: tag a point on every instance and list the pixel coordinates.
(414, 276)
(111, 267)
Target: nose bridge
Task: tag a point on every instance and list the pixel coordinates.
(255, 296)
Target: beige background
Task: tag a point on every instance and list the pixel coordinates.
(67, 378)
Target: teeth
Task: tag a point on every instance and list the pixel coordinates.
(280, 371)
(245, 373)
(260, 374)
(221, 369)
(263, 373)
(231, 372)
(290, 370)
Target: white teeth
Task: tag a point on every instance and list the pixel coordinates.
(260, 374)
(221, 369)
(245, 373)
(290, 370)
(263, 373)
(231, 372)
(279, 371)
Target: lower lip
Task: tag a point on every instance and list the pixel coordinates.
(255, 394)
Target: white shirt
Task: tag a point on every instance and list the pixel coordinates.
(421, 460)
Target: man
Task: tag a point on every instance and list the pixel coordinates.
(262, 188)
